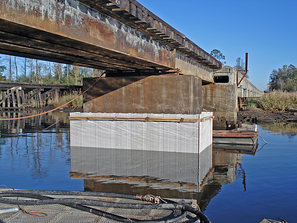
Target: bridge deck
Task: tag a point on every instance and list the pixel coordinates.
(109, 35)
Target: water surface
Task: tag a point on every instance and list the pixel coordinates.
(229, 185)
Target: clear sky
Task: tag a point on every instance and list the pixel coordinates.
(265, 29)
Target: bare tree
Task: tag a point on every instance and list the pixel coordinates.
(58, 71)
(16, 69)
(239, 65)
(10, 69)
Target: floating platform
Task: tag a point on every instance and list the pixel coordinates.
(235, 137)
(242, 149)
(70, 206)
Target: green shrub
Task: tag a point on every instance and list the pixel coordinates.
(253, 102)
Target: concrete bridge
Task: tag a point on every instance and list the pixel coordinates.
(150, 66)
(114, 35)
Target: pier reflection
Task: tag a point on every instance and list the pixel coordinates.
(168, 174)
(171, 175)
(33, 124)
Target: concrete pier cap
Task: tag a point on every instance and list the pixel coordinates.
(168, 94)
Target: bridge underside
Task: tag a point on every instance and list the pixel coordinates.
(21, 40)
(72, 32)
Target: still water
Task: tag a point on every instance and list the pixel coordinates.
(229, 185)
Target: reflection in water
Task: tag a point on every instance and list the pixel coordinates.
(224, 171)
(31, 125)
(35, 159)
(27, 152)
(284, 128)
(174, 174)
(171, 175)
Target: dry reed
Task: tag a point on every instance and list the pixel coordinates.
(279, 101)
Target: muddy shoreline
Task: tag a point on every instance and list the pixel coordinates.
(259, 116)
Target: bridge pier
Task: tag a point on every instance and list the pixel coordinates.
(222, 101)
(223, 96)
(157, 113)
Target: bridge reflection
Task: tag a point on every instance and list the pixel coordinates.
(171, 175)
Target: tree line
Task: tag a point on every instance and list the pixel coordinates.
(284, 79)
(20, 69)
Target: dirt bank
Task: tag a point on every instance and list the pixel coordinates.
(258, 116)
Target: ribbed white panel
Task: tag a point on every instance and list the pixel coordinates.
(185, 137)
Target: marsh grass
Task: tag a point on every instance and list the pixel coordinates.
(252, 102)
(64, 99)
(279, 101)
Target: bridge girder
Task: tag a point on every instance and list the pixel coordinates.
(98, 34)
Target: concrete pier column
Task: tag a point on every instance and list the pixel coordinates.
(222, 101)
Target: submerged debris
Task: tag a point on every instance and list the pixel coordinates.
(273, 221)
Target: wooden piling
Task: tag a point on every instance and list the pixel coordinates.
(22, 95)
(3, 99)
(13, 97)
(18, 98)
(7, 98)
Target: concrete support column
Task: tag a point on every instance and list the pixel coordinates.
(222, 101)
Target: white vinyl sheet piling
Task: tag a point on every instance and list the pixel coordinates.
(165, 136)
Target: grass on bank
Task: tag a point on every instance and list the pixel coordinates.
(78, 103)
(275, 101)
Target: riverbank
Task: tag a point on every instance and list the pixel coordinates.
(260, 116)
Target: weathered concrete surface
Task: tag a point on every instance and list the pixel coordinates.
(244, 89)
(169, 94)
(189, 66)
(63, 31)
(222, 97)
(222, 101)
(110, 35)
(106, 85)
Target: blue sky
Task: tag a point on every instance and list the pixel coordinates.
(265, 29)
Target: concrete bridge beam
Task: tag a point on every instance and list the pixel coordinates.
(103, 36)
